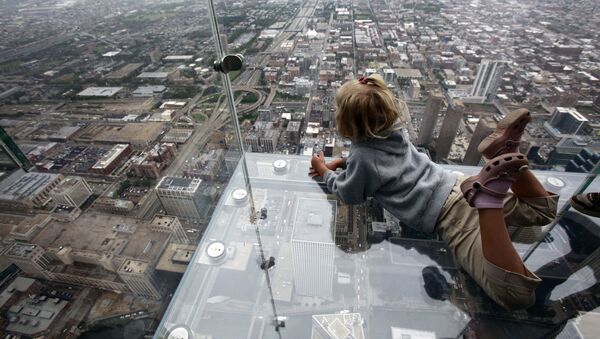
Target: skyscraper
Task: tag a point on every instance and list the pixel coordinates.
(182, 197)
(313, 246)
(566, 120)
(485, 127)
(432, 111)
(488, 79)
(11, 155)
(139, 276)
(449, 128)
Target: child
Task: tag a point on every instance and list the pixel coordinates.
(469, 214)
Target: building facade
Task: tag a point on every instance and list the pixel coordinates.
(568, 121)
(73, 191)
(28, 190)
(484, 128)
(182, 197)
(432, 111)
(167, 224)
(449, 128)
(110, 160)
(489, 76)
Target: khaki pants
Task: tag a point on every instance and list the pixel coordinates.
(458, 225)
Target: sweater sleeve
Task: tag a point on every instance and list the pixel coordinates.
(354, 184)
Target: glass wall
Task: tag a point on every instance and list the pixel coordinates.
(320, 268)
(156, 180)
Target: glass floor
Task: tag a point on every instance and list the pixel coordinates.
(340, 271)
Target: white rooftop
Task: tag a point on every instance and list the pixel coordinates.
(99, 91)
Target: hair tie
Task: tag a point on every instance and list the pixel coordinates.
(363, 80)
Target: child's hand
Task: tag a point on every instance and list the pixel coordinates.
(319, 166)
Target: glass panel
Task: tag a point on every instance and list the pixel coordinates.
(145, 193)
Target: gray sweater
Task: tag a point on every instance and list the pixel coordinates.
(404, 181)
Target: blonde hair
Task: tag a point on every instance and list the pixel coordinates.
(366, 109)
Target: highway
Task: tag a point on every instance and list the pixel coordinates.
(220, 115)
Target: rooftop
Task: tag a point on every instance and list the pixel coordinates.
(179, 184)
(162, 220)
(109, 157)
(313, 218)
(134, 267)
(95, 232)
(27, 186)
(29, 319)
(153, 75)
(176, 258)
(100, 91)
(68, 184)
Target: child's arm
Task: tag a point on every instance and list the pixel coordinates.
(332, 165)
(352, 185)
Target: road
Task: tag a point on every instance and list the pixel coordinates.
(220, 114)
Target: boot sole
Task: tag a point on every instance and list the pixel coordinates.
(512, 127)
(510, 163)
(584, 209)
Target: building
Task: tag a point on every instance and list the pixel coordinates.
(489, 76)
(111, 160)
(389, 75)
(313, 246)
(452, 120)
(182, 197)
(209, 165)
(293, 130)
(432, 111)
(414, 90)
(148, 91)
(124, 72)
(252, 140)
(139, 135)
(24, 191)
(151, 163)
(260, 140)
(139, 276)
(11, 156)
(484, 128)
(29, 314)
(103, 92)
(178, 58)
(337, 326)
(73, 191)
(566, 121)
(408, 73)
(178, 135)
(72, 252)
(171, 225)
(268, 140)
(114, 206)
(31, 259)
(583, 162)
(64, 133)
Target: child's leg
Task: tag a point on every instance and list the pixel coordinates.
(486, 192)
(530, 204)
(481, 256)
(496, 243)
(527, 186)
